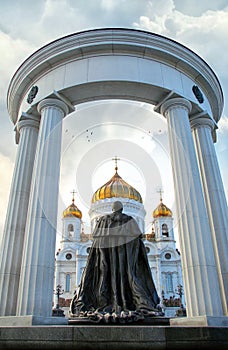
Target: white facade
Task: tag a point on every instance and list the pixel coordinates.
(131, 207)
(71, 257)
(164, 260)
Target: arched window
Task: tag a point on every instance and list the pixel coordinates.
(169, 282)
(67, 287)
(165, 231)
(70, 231)
(70, 228)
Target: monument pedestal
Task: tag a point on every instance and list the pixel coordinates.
(30, 320)
(200, 321)
(152, 321)
(113, 337)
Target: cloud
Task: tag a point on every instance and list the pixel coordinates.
(13, 51)
(223, 125)
(222, 150)
(196, 7)
(109, 4)
(72, 20)
(25, 28)
(6, 171)
(205, 34)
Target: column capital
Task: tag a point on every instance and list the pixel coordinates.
(27, 120)
(202, 119)
(176, 102)
(53, 102)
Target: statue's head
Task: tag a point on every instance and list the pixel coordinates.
(117, 206)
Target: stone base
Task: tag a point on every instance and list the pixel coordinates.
(200, 321)
(30, 320)
(113, 337)
(154, 321)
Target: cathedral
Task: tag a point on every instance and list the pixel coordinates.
(163, 257)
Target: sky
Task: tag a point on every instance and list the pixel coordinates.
(26, 26)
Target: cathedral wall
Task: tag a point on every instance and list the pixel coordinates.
(130, 207)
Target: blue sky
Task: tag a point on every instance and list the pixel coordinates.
(25, 27)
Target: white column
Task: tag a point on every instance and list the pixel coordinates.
(13, 235)
(37, 274)
(202, 127)
(200, 275)
(56, 282)
(159, 276)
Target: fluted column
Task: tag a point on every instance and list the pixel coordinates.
(215, 198)
(198, 262)
(13, 235)
(37, 274)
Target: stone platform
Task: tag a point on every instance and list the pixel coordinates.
(152, 321)
(113, 337)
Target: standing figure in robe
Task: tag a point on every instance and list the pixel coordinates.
(117, 283)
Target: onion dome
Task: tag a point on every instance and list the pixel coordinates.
(72, 211)
(116, 187)
(162, 210)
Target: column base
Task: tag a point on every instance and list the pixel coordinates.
(200, 321)
(30, 320)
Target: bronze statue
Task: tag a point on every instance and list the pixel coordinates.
(116, 284)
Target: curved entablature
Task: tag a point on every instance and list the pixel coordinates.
(151, 60)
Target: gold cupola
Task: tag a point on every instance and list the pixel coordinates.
(116, 187)
(162, 210)
(72, 211)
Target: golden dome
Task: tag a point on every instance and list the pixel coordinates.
(72, 210)
(162, 210)
(116, 187)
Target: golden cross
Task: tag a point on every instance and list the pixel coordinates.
(116, 159)
(73, 192)
(160, 192)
